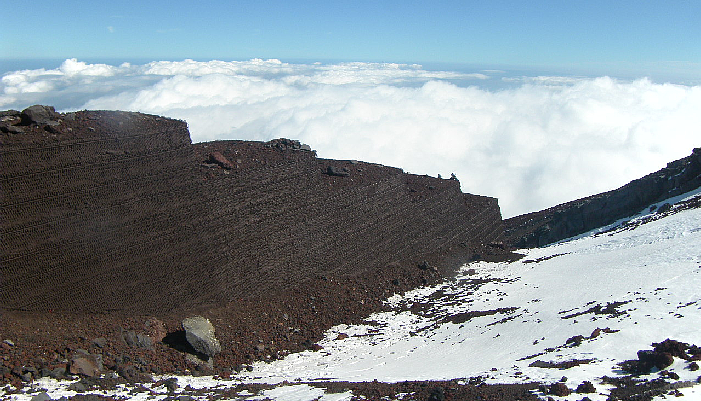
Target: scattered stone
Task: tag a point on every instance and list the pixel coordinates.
(653, 359)
(693, 366)
(673, 347)
(10, 117)
(437, 394)
(671, 375)
(58, 373)
(132, 375)
(100, 342)
(9, 343)
(586, 387)
(664, 208)
(342, 336)
(171, 384)
(283, 144)
(337, 172)
(41, 397)
(78, 387)
(199, 332)
(155, 329)
(139, 340)
(575, 340)
(559, 389)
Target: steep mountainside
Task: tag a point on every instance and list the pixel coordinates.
(581, 215)
(106, 211)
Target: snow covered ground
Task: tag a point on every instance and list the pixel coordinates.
(644, 284)
(508, 322)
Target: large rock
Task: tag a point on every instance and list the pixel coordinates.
(200, 334)
(42, 115)
(219, 159)
(86, 364)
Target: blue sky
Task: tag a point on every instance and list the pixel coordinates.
(538, 33)
(535, 103)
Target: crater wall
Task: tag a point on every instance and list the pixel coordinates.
(116, 211)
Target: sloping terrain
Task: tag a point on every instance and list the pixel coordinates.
(576, 309)
(581, 215)
(112, 219)
(114, 211)
(567, 321)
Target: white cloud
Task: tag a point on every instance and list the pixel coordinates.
(544, 141)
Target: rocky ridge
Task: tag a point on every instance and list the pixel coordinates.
(579, 216)
(116, 228)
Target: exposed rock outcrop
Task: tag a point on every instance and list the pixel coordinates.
(114, 211)
(579, 216)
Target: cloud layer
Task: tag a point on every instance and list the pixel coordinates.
(543, 141)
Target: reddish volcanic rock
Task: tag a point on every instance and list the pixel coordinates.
(218, 158)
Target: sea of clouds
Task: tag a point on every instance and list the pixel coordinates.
(534, 142)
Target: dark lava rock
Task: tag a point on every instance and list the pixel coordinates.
(57, 373)
(11, 129)
(139, 340)
(283, 144)
(575, 340)
(41, 115)
(653, 359)
(171, 384)
(338, 172)
(132, 375)
(671, 375)
(78, 387)
(41, 397)
(673, 347)
(586, 387)
(437, 394)
(559, 389)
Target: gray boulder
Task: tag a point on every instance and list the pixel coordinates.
(338, 172)
(199, 332)
(42, 115)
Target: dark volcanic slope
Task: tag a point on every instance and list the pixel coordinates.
(579, 216)
(116, 211)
